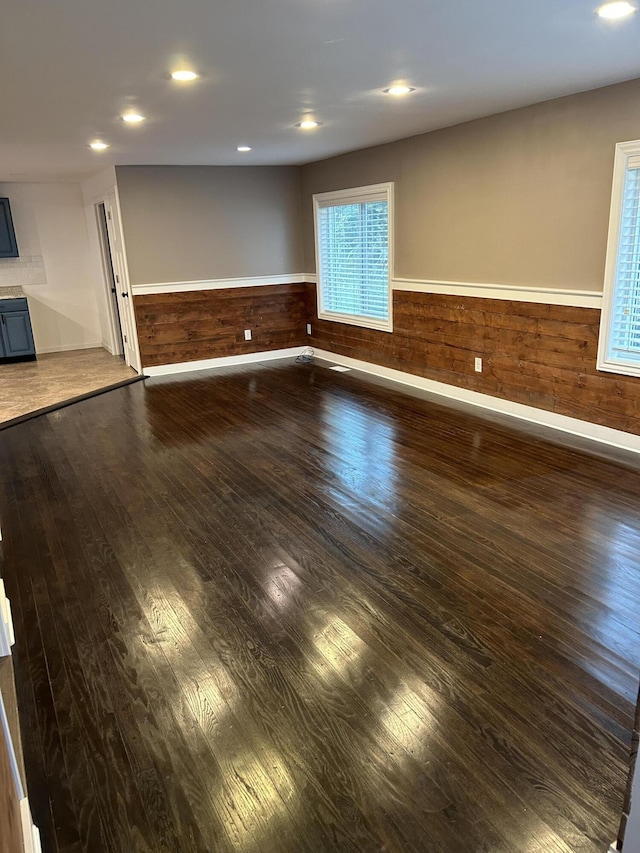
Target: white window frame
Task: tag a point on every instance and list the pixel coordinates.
(354, 196)
(624, 150)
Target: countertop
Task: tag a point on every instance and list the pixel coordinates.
(14, 292)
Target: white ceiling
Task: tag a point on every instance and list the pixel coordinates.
(70, 67)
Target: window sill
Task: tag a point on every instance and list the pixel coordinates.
(363, 322)
(622, 368)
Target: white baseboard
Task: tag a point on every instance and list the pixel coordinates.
(512, 292)
(223, 361)
(563, 423)
(106, 345)
(30, 832)
(583, 429)
(69, 347)
(484, 290)
(216, 284)
(7, 635)
(487, 290)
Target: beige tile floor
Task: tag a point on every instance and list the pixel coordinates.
(28, 386)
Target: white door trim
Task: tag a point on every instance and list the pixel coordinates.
(104, 198)
(114, 345)
(123, 291)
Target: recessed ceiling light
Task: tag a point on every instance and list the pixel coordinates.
(308, 124)
(184, 75)
(98, 146)
(244, 148)
(612, 11)
(398, 90)
(132, 118)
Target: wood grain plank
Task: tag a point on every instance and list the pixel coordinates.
(539, 355)
(180, 327)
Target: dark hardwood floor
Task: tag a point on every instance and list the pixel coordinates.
(281, 609)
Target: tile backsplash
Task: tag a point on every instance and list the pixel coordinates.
(22, 271)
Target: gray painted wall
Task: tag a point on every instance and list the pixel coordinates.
(193, 223)
(520, 198)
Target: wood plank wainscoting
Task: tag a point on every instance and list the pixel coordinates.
(536, 354)
(200, 324)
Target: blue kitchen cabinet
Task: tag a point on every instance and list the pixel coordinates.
(16, 336)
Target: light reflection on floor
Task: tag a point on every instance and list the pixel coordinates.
(410, 721)
(282, 585)
(364, 460)
(259, 792)
(339, 645)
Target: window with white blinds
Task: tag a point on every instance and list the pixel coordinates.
(354, 255)
(619, 348)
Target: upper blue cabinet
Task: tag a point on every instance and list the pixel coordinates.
(8, 244)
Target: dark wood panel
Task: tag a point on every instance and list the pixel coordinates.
(178, 327)
(277, 609)
(538, 355)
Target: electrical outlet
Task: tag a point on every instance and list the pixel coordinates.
(247, 334)
(308, 328)
(478, 364)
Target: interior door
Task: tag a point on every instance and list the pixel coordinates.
(125, 303)
(110, 280)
